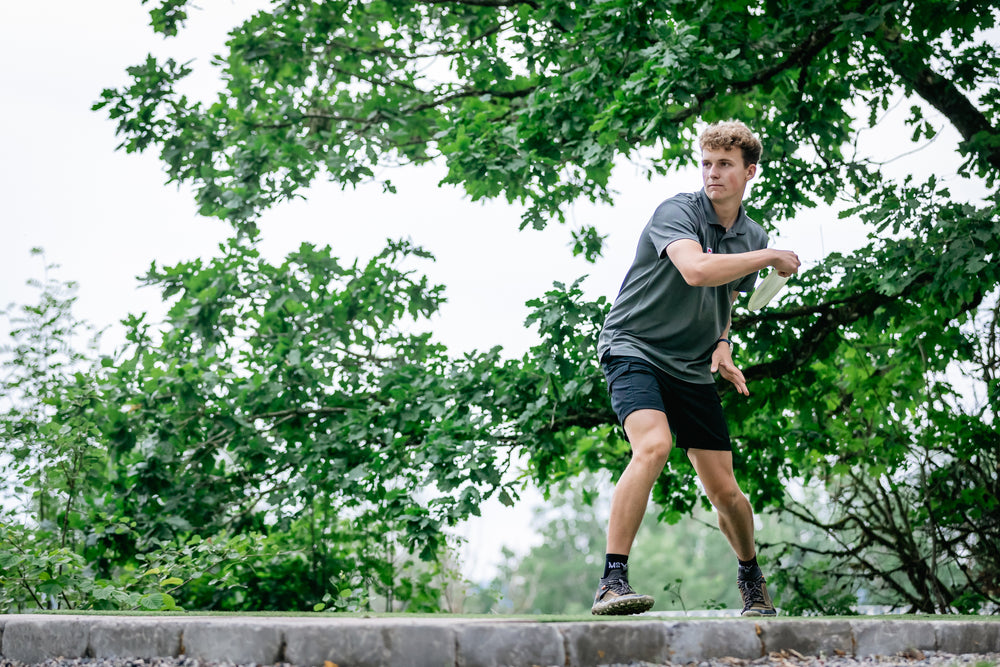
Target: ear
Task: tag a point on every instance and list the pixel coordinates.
(751, 171)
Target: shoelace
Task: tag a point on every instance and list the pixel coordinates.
(619, 586)
(751, 591)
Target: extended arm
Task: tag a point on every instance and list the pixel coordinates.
(701, 269)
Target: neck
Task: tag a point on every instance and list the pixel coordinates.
(727, 215)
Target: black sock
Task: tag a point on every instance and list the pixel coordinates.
(750, 568)
(614, 562)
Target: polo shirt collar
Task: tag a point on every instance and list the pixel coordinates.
(739, 227)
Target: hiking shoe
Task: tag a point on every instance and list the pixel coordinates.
(616, 598)
(756, 601)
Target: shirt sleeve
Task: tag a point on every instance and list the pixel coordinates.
(746, 285)
(672, 220)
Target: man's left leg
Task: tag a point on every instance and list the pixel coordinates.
(715, 470)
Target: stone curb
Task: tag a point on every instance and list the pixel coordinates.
(457, 642)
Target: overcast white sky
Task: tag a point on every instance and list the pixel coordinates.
(104, 216)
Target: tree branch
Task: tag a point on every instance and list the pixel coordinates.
(800, 56)
(941, 93)
(832, 316)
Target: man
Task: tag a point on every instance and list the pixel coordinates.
(665, 336)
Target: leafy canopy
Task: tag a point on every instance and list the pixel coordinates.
(536, 100)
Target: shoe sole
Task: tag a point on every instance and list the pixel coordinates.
(623, 606)
(755, 612)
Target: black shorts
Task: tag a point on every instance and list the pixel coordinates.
(694, 411)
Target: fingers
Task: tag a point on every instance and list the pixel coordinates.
(734, 375)
(740, 383)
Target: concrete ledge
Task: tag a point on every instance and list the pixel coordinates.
(600, 643)
(881, 637)
(34, 639)
(966, 637)
(352, 643)
(804, 636)
(692, 642)
(220, 639)
(122, 638)
(481, 642)
(500, 644)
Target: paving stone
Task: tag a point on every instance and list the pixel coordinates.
(878, 637)
(510, 644)
(235, 641)
(807, 637)
(965, 637)
(692, 642)
(420, 645)
(145, 638)
(36, 639)
(358, 644)
(591, 644)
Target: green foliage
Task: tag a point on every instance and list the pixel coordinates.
(279, 389)
(168, 17)
(284, 411)
(61, 546)
(534, 100)
(274, 388)
(36, 574)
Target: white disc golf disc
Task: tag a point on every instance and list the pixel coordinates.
(768, 287)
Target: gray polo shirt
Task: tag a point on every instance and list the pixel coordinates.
(657, 315)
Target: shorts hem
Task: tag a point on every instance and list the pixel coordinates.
(709, 449)
(693, 412)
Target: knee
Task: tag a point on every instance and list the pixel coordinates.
(729, 499)
(652, 451)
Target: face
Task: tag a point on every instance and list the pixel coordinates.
(724, 174)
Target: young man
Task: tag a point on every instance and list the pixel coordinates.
(667, 332)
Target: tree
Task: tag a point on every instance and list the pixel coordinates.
(287, 429)
(46, 459)
(61, 532)
(303, 400)
(538, 100)
(534, 100)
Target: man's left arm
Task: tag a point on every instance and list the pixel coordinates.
(722, 359)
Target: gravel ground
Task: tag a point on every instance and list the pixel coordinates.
(795, 659)
(782, 659)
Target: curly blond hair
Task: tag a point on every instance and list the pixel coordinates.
(732, 134)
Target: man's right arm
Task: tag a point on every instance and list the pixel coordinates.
(701, 269)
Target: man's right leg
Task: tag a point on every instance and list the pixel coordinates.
(649, 434)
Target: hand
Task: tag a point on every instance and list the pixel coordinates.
(722, 361)
(786, 263)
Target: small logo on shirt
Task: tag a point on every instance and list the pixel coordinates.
(708, 250)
